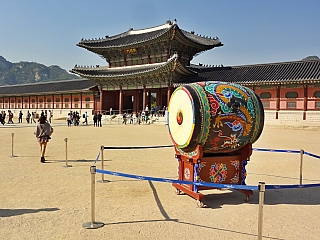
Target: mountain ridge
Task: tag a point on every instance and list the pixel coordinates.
(30, 72)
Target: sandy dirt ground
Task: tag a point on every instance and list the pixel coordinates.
(51, 201)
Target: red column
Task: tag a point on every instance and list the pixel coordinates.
(278, 102)
(144, 98)
(305, 101)
(120, 100)
(101, 100)
(169, 95)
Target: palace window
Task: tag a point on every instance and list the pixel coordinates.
(49, 100)
(265, 95)
(66, 100)
(87, 99)
(19, 100)
(12, 103)
(291, 95)
(317, 104)
(76, 100)
(316, 94)
(266, 104)
(291, 105)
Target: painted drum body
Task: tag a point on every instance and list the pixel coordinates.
(221, 117)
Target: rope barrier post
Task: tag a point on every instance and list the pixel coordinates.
(66, 141)
(93, 224)
(12, 137)
(102, 165)
(262, 189)
(301, 161)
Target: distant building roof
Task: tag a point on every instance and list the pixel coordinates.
(134, 37)
(77, 85)
(257, 74)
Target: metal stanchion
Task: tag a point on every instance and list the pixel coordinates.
(102, 165)
(12, 140)
(262, 189)
(301, 161)
(66, 141)
(93, 224)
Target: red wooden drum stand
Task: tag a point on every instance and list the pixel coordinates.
(225, 168)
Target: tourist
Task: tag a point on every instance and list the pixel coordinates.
(50, 116)
(20, 117)
(2, 117)
(111, 111)
(99, 117)
(10, 117)
(124, 116)
(85, 116)
(28, 117)
(32, 117)
(69, 120)
(131, 118)
(95, 119)
(138, 117)
(43, 132)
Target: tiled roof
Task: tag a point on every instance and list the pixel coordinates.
(116, 72)
(77, 85)
(132, 37)
(271, 73)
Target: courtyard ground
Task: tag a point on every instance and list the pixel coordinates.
(51, 201)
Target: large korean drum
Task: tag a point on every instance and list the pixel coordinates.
(221, 117)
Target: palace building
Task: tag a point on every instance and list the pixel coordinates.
(144, 66)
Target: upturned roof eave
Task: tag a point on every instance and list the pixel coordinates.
(171, 63)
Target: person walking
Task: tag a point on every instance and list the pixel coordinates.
(20, 117)
(43, 132)
(50, 116)
(28, 117)
(99, 117)
(10, 117)
(32, 117)
(85, 116)
(95, 119)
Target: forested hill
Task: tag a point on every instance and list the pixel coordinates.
(30, 72)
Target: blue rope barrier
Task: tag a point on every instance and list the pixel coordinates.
(137, 147)
(97, 158)
(312, 155)
(204, 184)
(292, 186)
(275, 150)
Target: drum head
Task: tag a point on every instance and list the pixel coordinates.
(181, 117)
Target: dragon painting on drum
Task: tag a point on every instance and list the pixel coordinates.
(221, 117)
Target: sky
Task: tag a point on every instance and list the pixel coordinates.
(253, 32)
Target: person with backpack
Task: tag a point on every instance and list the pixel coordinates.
(85, 116)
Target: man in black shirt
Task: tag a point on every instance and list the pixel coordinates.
(99, 116)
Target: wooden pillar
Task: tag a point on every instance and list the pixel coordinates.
(144, 98)
(149, 100)
(81, 101)
(169, 95)
(52, 102)
(61, 101)
(120, 100)
(278, 102)
(70, 100)
(305, 101)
